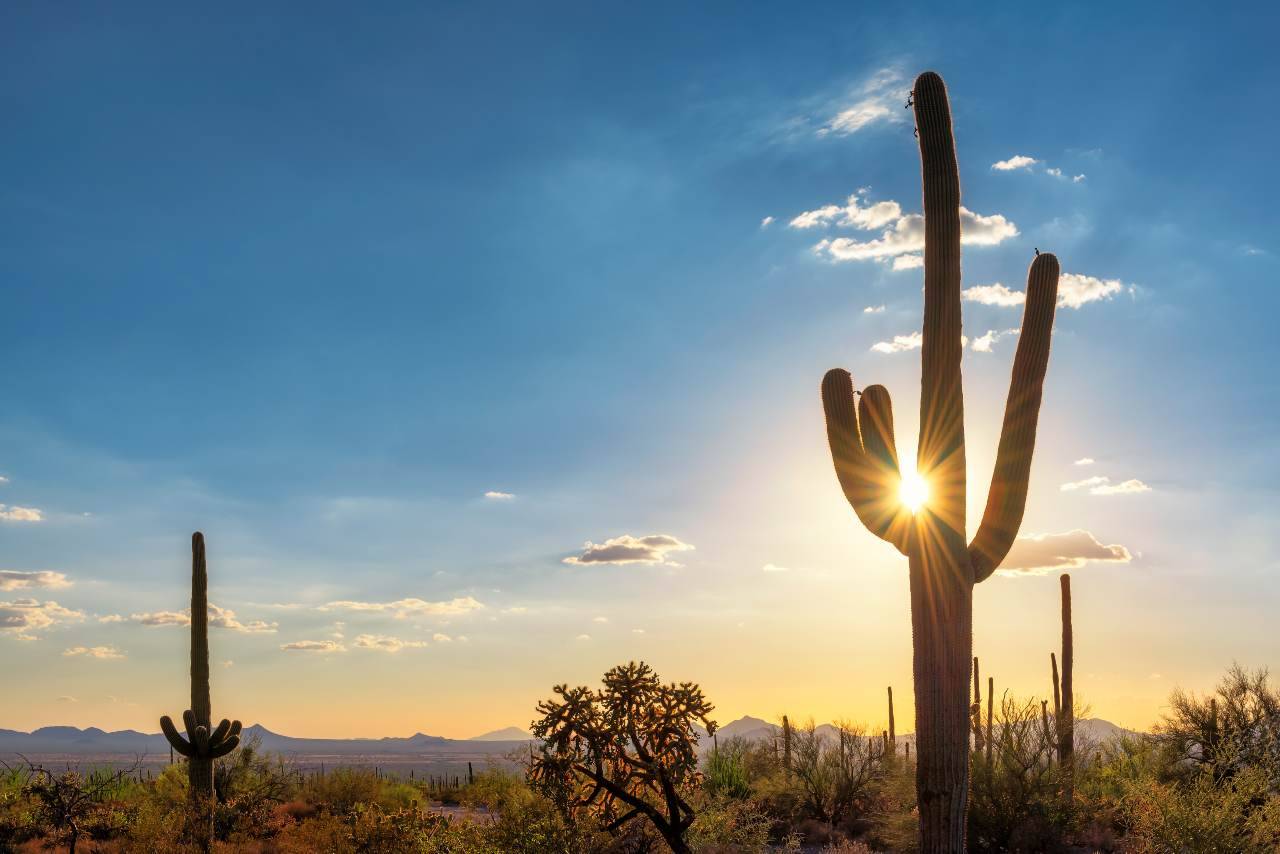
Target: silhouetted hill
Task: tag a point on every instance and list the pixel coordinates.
(511, 733)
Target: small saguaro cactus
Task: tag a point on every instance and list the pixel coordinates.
(943, 566)
(203, 743)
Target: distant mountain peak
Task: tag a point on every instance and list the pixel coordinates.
(511, 733)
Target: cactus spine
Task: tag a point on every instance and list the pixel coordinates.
(943, 567)
(203, 744)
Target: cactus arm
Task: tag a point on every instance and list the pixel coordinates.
(179, 743)
(1007, 497)
(226, 747)
(189, 721)
(200, 704)
(941, 453)
(202, 740)
(219, 734)
(869, 480)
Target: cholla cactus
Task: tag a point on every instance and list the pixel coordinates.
(203, 744)
(943, 566)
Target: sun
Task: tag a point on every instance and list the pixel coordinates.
(913, 491)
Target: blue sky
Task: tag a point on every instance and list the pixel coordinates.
(316, 283)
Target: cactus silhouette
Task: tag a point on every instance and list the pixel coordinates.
(1067, 711)
(203, 743)
(943, 567)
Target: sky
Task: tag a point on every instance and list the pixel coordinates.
(483, 343)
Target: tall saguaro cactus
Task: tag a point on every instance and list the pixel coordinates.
(1067, 713)
(203, 743)
(943, 566)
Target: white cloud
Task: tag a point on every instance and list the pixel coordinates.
(111, 618)
(1018, 161)
(984, 343)
(162, 618)
(441, 637)
(873, 309)
(766, 222)
(313, 646)
(996, 294)
(1044, 553)
(386, 643)
(20, 514)
(21, 617)
(770, 567)
(652, 549)
(906, 238)
(1077, 178)
(1128, 487)
(1102, 485)
(908, 262)
(14, 579)
(637, 631)
(1083, 461)
(106, 653)
(219, 618)
(900, 343)
(516, 609)
(851, 215)
(1074, 290)
(1055, 172)
(403, 608)
(494, 495)
(3, 479)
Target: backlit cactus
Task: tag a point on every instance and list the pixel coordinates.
(943, 566)
(203, 743)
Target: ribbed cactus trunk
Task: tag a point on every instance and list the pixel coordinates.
(1067, 715)
(943, 567)
(893, 734)
(203, 743)
(200, 768)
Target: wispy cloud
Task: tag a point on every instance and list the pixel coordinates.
(22, 617)
(1024, 163)
(766, 222)
(873, 309)
(902, 239)
(1074, 290)
(20, 514)
(1038, 554)
(651, 549)
(1084, 461)
(403, 608)
(583, 638)
(105, 653)
(313, 646)
(386, 643)
(220, 618)
(985, 343)
(1102, 485)
(494, 495)
(14, 579)
(773, 567)
(899, 344)
(876, 101)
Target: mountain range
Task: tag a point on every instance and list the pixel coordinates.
(67, 740)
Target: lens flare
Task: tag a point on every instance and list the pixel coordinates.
(913, 492)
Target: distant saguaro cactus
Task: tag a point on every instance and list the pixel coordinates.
(893, 735)
(203, 744)
(943, 567)
(786, 744)
(1067, 715)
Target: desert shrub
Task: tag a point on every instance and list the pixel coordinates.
(730, 825)
(895, 826)
(726, 770)
(1203, 814)
(342, 789)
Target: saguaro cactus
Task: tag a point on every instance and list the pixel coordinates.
(893, 735)
(943, 566)
(1067, 714)
(203, 743)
